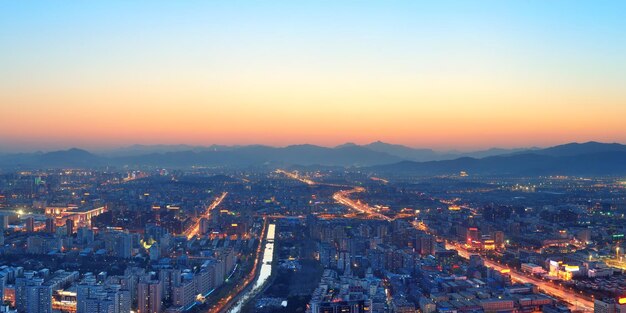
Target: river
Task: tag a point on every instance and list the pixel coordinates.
(264, 273)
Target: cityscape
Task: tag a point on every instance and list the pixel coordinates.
(312, 157)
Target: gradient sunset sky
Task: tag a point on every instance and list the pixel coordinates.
(438, 74)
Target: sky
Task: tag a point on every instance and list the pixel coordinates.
(437, 74)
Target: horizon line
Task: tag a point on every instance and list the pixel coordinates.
(104, 150)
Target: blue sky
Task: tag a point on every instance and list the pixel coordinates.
(377, 61)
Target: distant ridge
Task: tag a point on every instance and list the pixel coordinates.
(582, 148)
(590, 158)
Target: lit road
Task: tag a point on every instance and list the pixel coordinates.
(193, 230)
(295, 176)
(225, 303)
(577, 301)
(308, 181)
(616, 264)
(342, 198)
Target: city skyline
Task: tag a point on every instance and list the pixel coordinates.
(324, 156)
(450, 75)
(365, 156)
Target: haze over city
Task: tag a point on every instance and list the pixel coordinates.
(313, 156)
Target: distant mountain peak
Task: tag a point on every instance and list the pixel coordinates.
(347, 144)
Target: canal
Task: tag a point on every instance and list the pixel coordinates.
(264, 273)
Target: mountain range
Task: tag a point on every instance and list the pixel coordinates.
(591, 158)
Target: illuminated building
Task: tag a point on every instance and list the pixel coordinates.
(454, 208)
(563, 271)
(81, 216)
(9, 295)
(55, 211)
(473, 238)
(489, 244)
(63, 300)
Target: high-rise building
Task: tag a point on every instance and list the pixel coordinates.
(123, 245)
(425, 245)
(204, 226)
(124, 301)
(154, 252)
(169, 278)
(31, 296)
(3, 282)
(50, 225)
(69, 226)
(149, 296)
(203, 281)
(85, 290)
(39, 298)
(498, 237)
(184, 294)
(4, 221)
(30, 224)
(473, 235)
(85, 235)
(102, 298)
(128, 289)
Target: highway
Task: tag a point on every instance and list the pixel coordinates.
(308, 181)
(295, 176)
(342, 198)
(577, 301)
(193, 230)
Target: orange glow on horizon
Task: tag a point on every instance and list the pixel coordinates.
(62, 122)
(94, 76)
